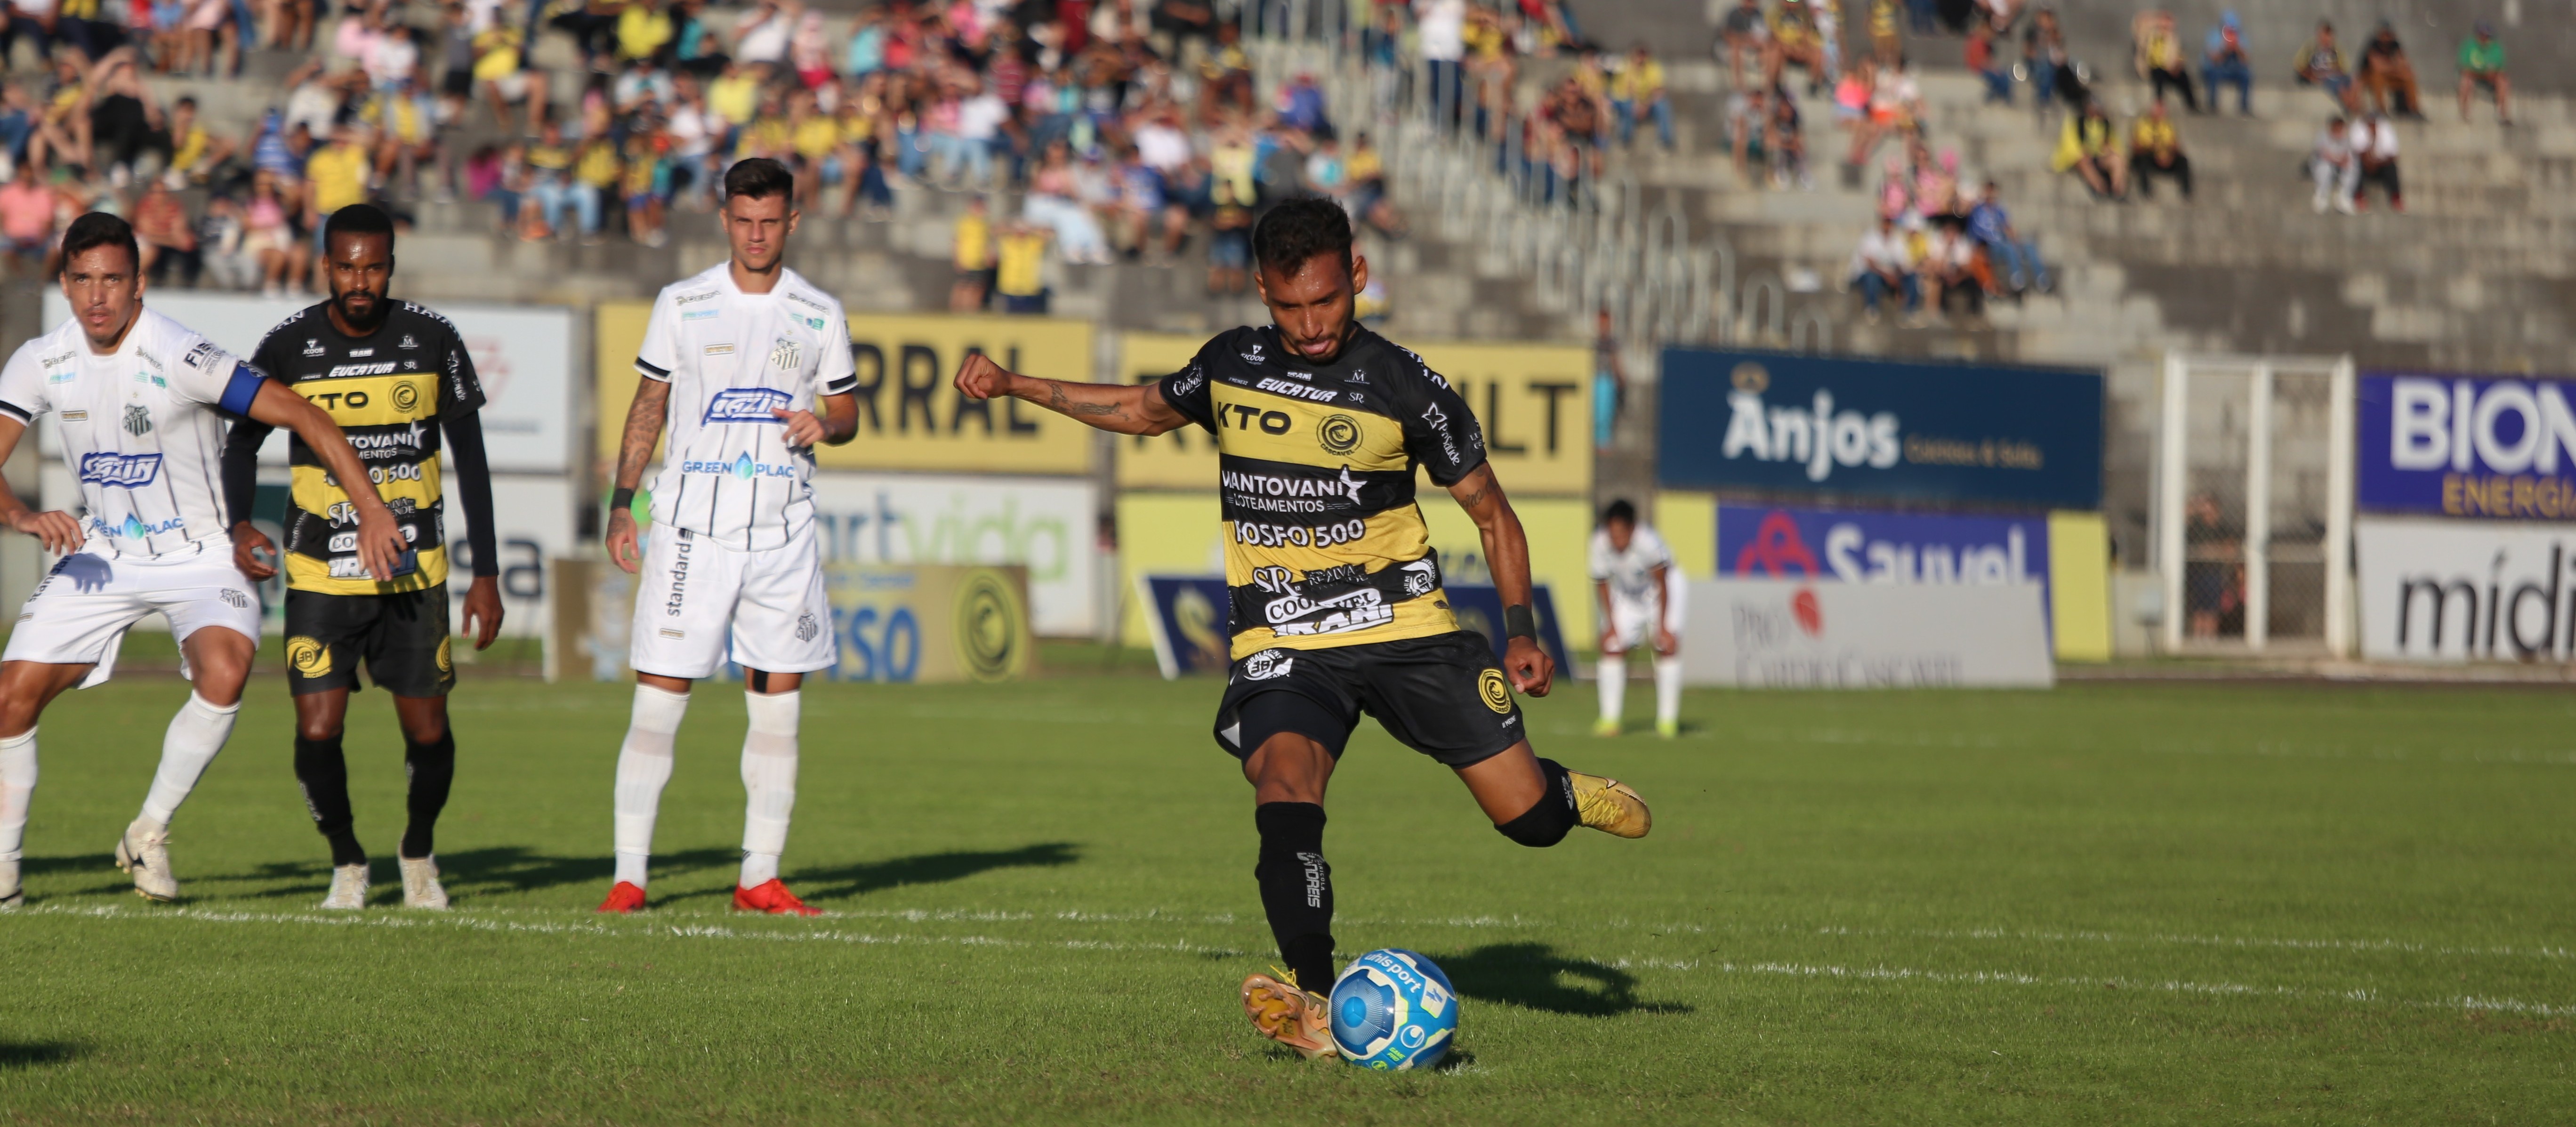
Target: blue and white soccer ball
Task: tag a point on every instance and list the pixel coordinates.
(1393, 1010)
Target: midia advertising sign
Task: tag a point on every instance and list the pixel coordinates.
(2447, 590)
(2483, 447)
(1803, 424)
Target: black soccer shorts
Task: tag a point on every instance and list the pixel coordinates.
(402, 638)
(1443, 696)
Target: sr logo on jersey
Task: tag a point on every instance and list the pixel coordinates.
(125, 471)
(309, 658)
(1496, 692)
(746, 405)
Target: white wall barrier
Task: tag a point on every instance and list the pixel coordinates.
(1792, 633)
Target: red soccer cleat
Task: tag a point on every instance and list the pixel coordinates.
(771, 897)
(623, 899)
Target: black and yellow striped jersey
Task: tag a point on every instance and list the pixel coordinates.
(1324, 545)
(389, 391)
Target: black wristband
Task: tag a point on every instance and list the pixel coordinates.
(620, 500)
(1519, 623)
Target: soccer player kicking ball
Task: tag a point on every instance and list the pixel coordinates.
(140, 401)
(393, 375)
(735, 359)
(1336, 606)
(1641, 603)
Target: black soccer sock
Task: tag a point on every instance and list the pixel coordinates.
(1297, 889)
(1548, 820)
(431, 766)
(324, 774)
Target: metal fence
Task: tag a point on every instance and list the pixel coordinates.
(2254, 503)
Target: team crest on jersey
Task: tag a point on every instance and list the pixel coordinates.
(1496, 692)
(746, 405)
(1338, 434)
(126, 471)
(1268, 664)
(236, 599)
(309, 658)
(807, 627)
(406, 396)
(446, 657)
(784, 354)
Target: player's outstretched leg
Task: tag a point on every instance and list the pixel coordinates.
(1612, 675)
(1552, 800)
(769, 791)
(323, 774)
(1288, 772)
(187, 747)
(1668, 695)
(643, 767)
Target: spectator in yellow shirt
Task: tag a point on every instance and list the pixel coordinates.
(813, 137)
(597, 173)
(335, 177)
(643, 29)
(2155, 149)
(1637, 93)
(974, 284)
(1021, 275)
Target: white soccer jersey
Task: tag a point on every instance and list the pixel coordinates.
(731, 358)
(1631, 574)
(140, 427)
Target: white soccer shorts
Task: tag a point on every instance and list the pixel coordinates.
(694, 596)
(1632, 622)
(80, 613)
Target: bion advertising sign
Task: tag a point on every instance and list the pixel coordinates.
(2446, 590)
(2483, 447)
(1805, 424)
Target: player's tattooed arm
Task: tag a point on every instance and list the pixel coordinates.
(1507, 555)
(61, 534)
(643, 429)
(1117, 408)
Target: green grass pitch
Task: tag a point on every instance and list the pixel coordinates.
(2107, 903)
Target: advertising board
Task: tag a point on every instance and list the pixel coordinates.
(523, 355)
(911, 624)
(910, 418)
(1534, 402)
(1046, 525)
(1186, 614)
(1798, 634)
(2433, 589)
(1785, 423)
(2478, 447)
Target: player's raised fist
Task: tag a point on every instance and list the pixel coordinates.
(1530, 669)
(980, 378)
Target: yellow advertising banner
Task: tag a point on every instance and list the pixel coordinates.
(1534, 401)
(1181, 534)
(910, 418)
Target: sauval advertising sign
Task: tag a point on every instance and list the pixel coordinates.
(2483, 447)
(2448, 590)
(1793, 634)
(1784, 423)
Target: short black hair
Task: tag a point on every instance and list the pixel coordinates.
(99, 229)
(759, 178)
(1619, 510)
(1297, 231)
(361, 220)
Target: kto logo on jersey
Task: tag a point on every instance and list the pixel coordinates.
(746, 405)
(741, 468)
(124, 471)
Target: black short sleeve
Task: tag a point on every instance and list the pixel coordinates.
(1440, 430)
(1187, 390)
(460, 390)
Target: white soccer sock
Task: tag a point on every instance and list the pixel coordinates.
(1613, 676)
(643, 766)
(17, 790)
(195, 735)
(1668, 689)
(768, 782)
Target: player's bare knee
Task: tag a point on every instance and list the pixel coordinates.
(1289, 767)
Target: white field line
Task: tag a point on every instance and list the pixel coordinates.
(2264, 749)
(655, 930)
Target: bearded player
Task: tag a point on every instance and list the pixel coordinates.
(734, 362)
(394, 375)
(140, 402)
(1337, 607)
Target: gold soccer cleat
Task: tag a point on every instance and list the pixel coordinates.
(1292, 1016)
(1610, 806)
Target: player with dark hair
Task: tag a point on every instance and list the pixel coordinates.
(140, 403)
(735, 361)
(394, 375)
(1337, 607)
(1641, 603)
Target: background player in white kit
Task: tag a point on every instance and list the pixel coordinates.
(1641, 605)
(735, 359)
(140, 403)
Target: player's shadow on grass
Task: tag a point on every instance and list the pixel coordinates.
(513, 868)
(928, 868)
(101, 865)
(29, 1054)
(1535, 976)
